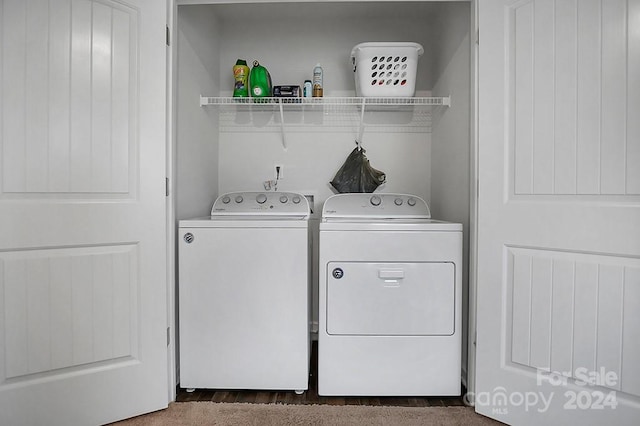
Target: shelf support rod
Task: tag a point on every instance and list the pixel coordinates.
(284, 133)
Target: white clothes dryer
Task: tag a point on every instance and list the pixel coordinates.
(244, 294)
(389, 298)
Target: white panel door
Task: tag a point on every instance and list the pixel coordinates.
(558, 325)
(82, 211)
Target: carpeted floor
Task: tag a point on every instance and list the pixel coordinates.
(225, 414)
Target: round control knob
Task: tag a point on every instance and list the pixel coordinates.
(296, 200)
(411, 201)
(261, 198)
(284, 199)
(239, 199)
(375, 200)
(226, 199)
(398, 201)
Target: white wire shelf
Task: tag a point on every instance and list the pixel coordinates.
(328, 101)
(335, 105)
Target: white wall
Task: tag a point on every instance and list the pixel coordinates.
(196, 127)
(314, 154)
(450, 151)
(212, 37)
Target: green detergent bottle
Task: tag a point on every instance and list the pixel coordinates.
(259, 81)
(241, 77)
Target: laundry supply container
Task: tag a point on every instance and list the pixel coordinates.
(386, 69)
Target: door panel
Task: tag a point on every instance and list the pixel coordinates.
(568, 309)
(568, 131)
(82, 208)
(69, 99)
(69, 307)
(559, 211)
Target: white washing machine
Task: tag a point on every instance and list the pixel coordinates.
(244, 297)
(390, 298)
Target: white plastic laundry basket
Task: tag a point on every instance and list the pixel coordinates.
(386, 69)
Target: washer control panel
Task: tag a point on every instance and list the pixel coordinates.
(388, 206)
(268, 203)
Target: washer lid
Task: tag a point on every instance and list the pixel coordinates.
(270, 204)
(375, 206)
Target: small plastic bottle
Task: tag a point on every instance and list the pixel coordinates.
(317, 81)
(308, 88)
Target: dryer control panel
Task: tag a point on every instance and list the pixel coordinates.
(261, 203)
(382, 206)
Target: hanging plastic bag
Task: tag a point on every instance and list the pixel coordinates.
(357, 175)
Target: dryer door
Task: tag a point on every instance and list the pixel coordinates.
(393, 299)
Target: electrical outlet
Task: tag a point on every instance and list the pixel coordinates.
(278, 170)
